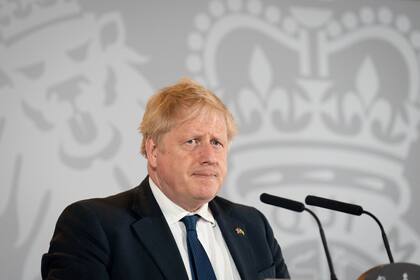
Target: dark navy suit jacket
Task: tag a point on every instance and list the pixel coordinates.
(126, 236)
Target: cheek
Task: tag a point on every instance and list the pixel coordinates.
(181, 165)
(223, 164)
(223, 158)
(165, 165)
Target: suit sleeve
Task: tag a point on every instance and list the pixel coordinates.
(79, 248)
(281, 270)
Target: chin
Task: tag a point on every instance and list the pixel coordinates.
(209, 195)
(210, 181)
(206, 192)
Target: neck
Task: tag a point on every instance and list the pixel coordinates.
(190, 206)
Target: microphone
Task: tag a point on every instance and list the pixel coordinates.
(300, 207)
(282, 202)
(336, 205)
(348, 208)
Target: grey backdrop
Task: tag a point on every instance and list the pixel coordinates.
(326, 94)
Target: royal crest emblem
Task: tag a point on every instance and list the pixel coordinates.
(327, 103)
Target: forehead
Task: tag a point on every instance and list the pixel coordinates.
(202, 121)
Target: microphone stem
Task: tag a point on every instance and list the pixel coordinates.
(324, 243)
(385, 239)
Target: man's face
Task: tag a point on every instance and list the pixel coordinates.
(189, 162)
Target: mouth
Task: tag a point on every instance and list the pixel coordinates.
(205, 174)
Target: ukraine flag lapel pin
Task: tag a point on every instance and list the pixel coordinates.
(239, 231)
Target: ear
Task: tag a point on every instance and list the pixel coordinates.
(151, 152)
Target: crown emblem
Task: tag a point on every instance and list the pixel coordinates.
(303, 106)
(20, 16)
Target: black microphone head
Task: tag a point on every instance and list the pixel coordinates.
(334, 205)
(282, 202)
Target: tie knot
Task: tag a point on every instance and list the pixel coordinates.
(190, 222)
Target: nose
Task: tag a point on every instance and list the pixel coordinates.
(207, 154)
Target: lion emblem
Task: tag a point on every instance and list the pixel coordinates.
(71, 98)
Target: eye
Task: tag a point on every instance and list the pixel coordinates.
(79, 53)
(192, 142)
(216, 143)
(34, 70)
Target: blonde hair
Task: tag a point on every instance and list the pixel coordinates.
(170, 106)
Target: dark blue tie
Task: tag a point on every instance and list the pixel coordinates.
(201, 268)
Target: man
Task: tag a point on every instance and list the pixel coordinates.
(173, 225)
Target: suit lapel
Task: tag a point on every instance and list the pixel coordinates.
(235, 235)
(155, 235)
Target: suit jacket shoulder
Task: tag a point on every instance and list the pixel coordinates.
(250, 239)
(125, 236)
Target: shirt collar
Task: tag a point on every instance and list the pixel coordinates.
(174, 213)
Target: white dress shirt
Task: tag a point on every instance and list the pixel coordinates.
(208, 233)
